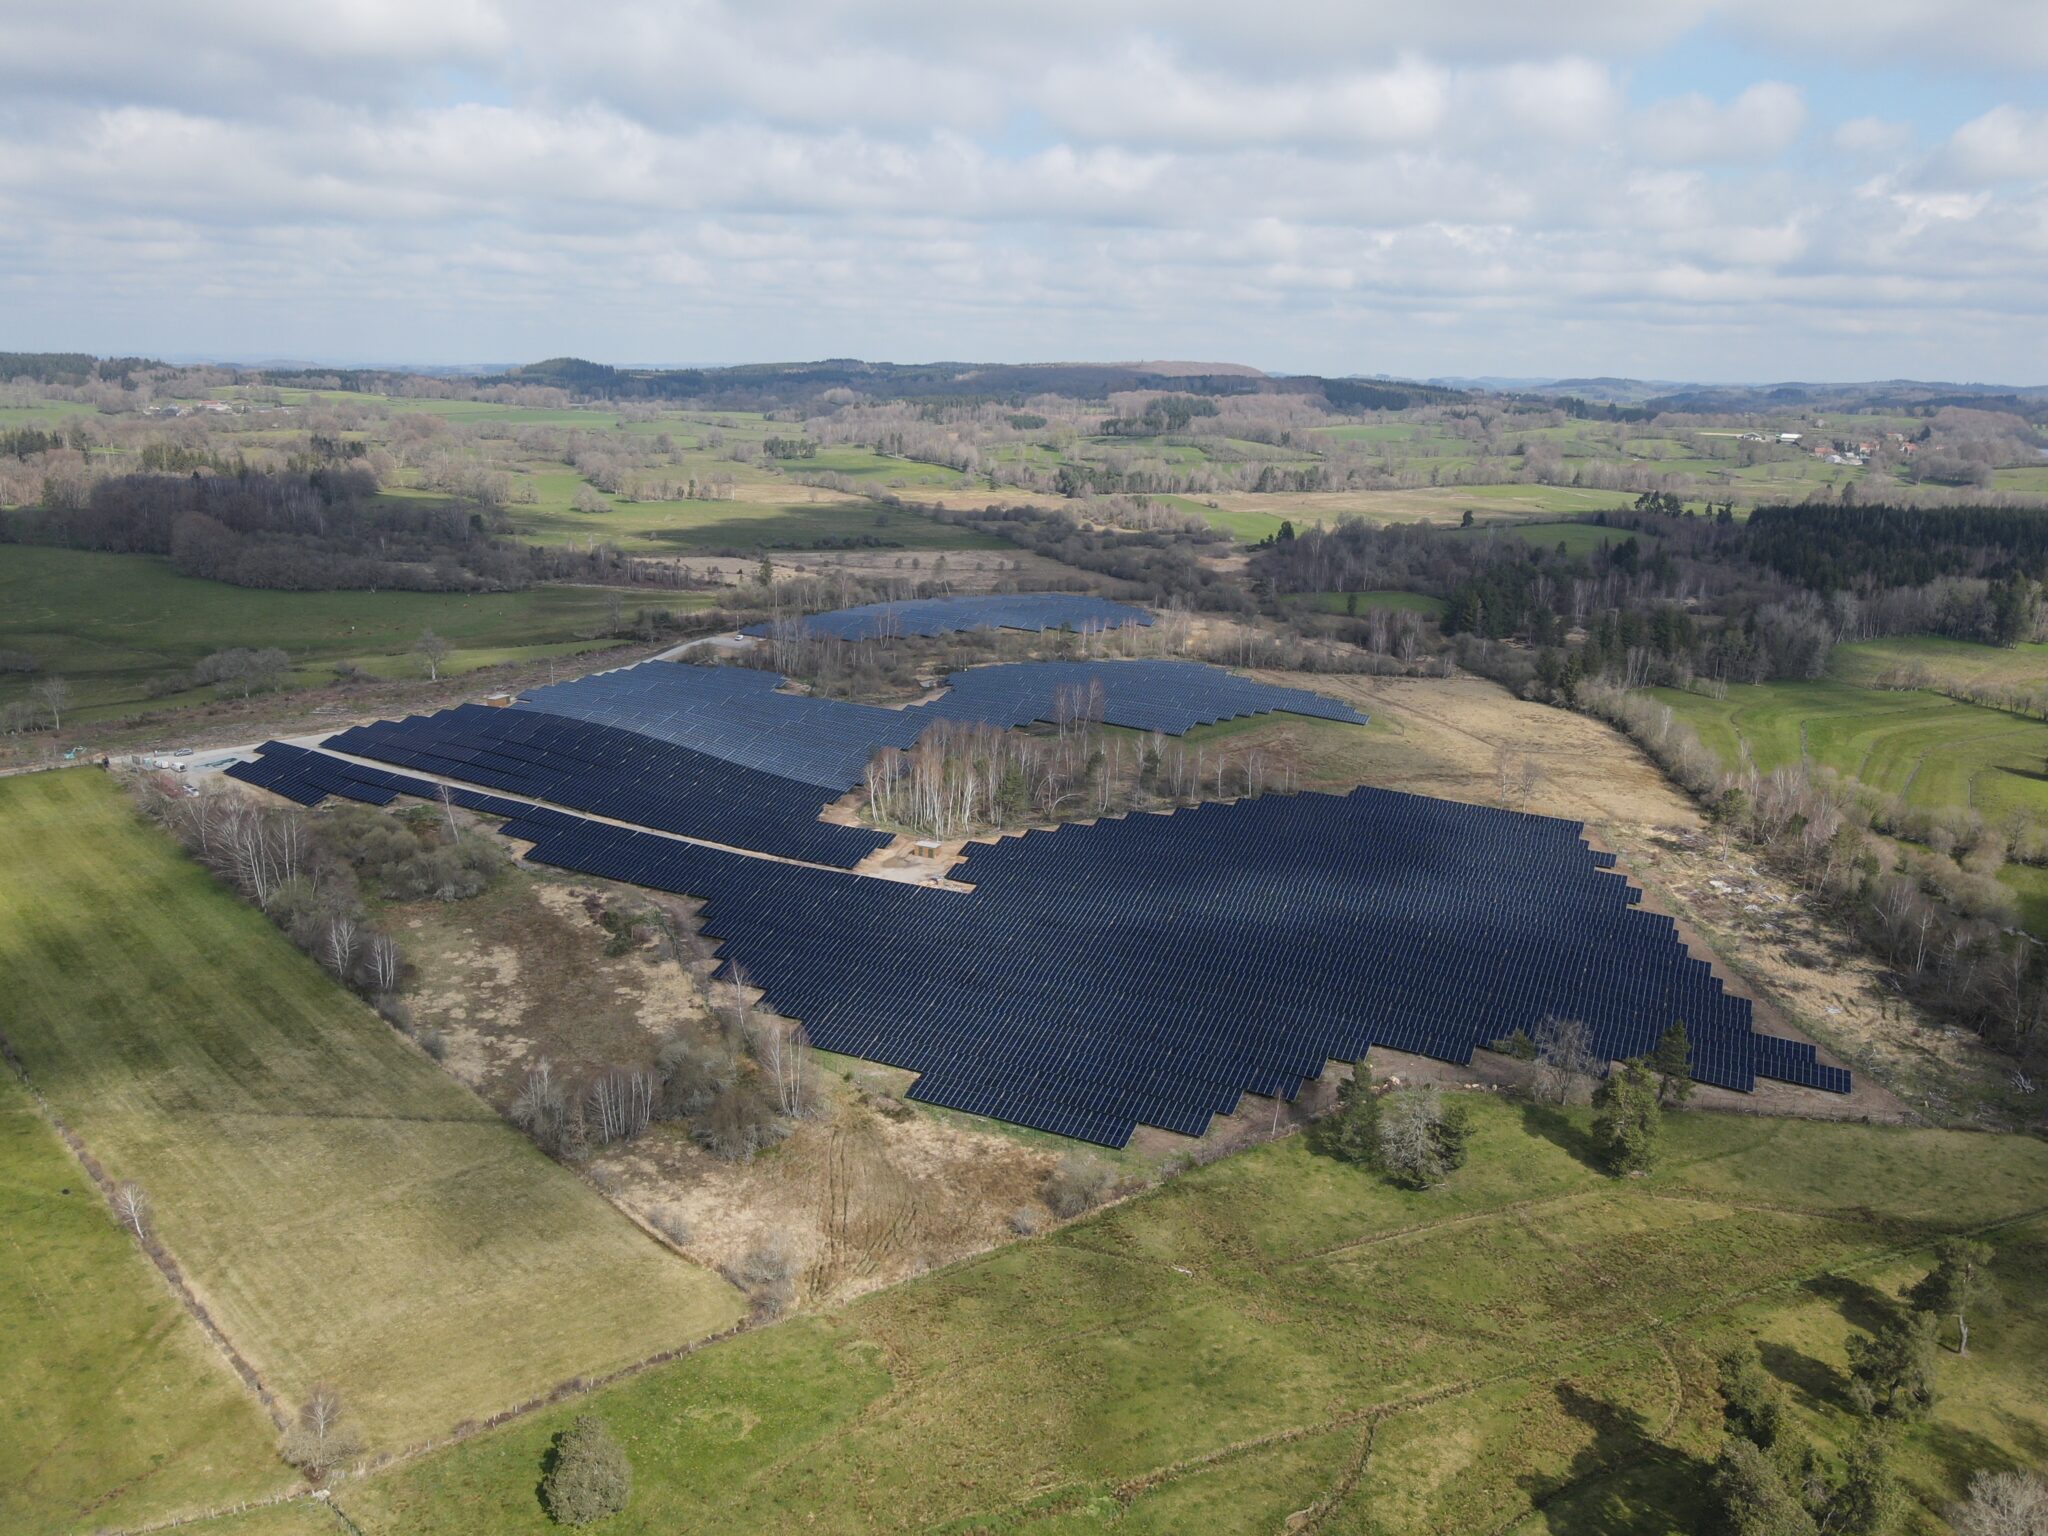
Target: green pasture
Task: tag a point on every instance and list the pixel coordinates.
(113, 1406)
(109, 623)
(349, 1211)
(1933, 751)
(1528, 1348)
(1576, 539)
(1367, 602)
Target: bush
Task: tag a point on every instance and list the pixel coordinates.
(588, 1476)
(1078, 1184)
(739, 1121)
(1024, 1221)
(1350, 1132)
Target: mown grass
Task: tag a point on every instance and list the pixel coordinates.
(1528, 1347)
(114, 1407)
(110, 623)
(1367, 602)
(1934, 751)
(1572, 538)
(346, 1210)
(1950, 663)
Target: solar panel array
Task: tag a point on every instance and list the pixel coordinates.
(615, 773)
(1152, 970)
(947, 615)
(736, 713)
(1169, 696)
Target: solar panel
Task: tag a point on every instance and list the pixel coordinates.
(741, 715)
(947, 615)
(1145, 970)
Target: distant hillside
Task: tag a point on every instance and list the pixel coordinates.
(760, 386)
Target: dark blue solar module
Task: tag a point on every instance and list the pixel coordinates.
(736, 713)
(947, 615)
(1169, 696)
(1151, 970)
(614, 773)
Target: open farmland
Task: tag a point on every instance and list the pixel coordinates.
(345, 1210)
(110, 623)
(1934, 752)
(1277, 1333)
(94, 1353)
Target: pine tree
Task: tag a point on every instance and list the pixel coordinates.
(1626, 1120)
(1868, 1502)
(1350, 1132)
(1951, 1289)
(1672, 1062)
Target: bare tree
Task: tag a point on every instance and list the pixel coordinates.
(56, 696)
(131, 1208)
(619, 1105)
(783, 1054)
(2002, 1504)
(340, 943)
(446, 795)
(385, 961)
(1565, 1061)
(319, 1439)
(432, 649)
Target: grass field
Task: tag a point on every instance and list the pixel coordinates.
(346, 1211)
(1932, 750)
(1523, 1350)
(1366, 602)
(110, 623)
(114, 1407)
(1574, 538)
(1956, 663)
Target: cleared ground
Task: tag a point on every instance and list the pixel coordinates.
(1278, 1342)
(344, 1209)
(114, 1407)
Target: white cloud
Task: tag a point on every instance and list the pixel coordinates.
(1693, 130)
(1872, 137)
(2005, 144)
(1465, 188)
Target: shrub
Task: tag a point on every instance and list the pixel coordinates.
(588, 1476)
(1024, 1221)
(1350, 1132)
(1078, 1184)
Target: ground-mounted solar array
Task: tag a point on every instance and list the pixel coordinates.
(1168, 696)
(949, 615)
(619, 774)
(1148, 970)
(739, 714)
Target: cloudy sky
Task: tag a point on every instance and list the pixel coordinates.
(1686, 189)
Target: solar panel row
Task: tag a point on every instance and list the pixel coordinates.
(620, 774)
(1168, 696)
(1153, 969)
(736, 713)
(948, 615)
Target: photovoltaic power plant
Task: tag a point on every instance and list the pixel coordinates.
(738, 713)
(619, 774)
(948, 615)
(1168, 696)
(1151, 970)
